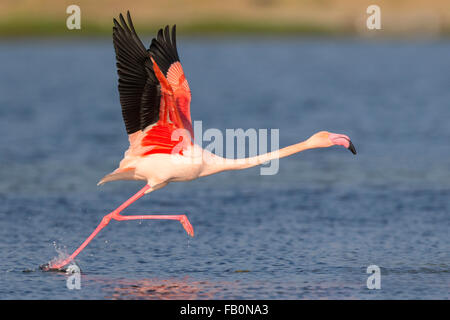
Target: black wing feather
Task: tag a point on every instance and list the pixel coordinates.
(138, 87)
(164, 49)
(150, 98)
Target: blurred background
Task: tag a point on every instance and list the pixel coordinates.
(400, 17)
(309, 231)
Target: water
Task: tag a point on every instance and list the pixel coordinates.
(308, 232)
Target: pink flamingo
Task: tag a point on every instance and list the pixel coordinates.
(155, 99)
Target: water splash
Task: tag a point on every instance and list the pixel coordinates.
(61, 250)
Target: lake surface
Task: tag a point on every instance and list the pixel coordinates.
(308, 232)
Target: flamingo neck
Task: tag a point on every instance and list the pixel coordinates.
(218, 164)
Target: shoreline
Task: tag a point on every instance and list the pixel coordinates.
(26, 28)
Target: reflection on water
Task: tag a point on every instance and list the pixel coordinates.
(166, 289)
(189, 289)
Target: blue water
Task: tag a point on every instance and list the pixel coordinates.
(308, 232)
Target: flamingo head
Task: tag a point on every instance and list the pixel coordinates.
(325, 139)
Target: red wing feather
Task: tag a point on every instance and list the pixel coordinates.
(160, 139)
(182, 94)
(174, 112)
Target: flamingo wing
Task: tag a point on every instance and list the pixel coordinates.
(154, 93)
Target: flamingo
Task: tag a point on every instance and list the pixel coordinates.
(155, 100)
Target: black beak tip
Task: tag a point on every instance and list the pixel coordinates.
(351, 147)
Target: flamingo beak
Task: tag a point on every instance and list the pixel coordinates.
(342, 140)
(351, 147)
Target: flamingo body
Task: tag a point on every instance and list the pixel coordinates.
(155, 99)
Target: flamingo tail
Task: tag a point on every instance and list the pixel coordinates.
(118, 175)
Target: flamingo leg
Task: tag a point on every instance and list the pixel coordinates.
(117, 216)
(181, 217)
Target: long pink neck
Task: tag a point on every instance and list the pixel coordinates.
(222, 164)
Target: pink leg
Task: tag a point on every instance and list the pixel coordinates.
(117, 216)
(182, 218)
